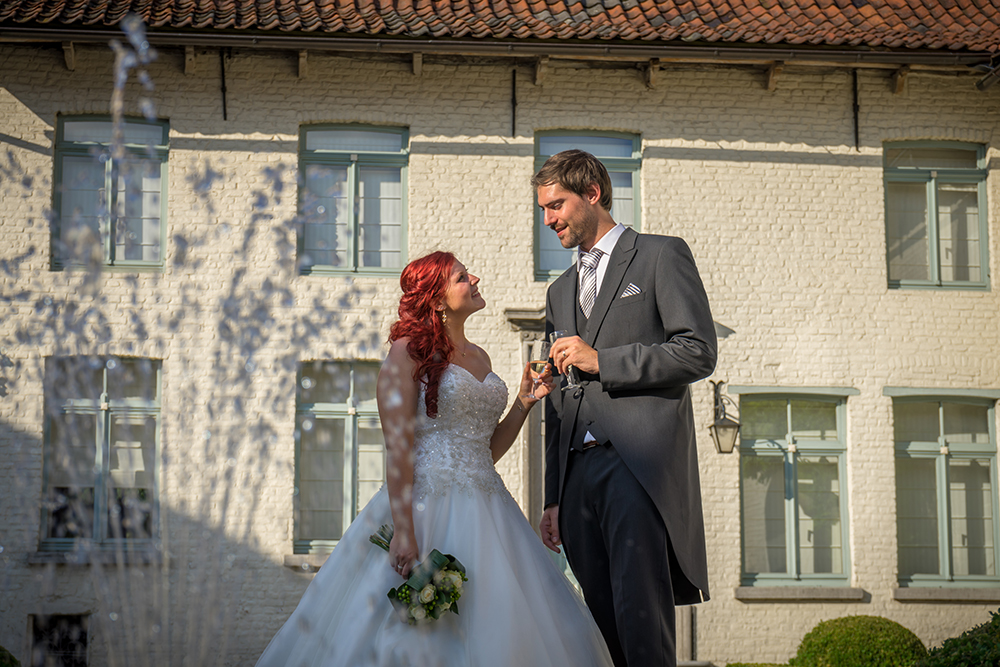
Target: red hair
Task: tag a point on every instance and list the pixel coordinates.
(425, 282)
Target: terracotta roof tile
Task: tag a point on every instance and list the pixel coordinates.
(930, 24)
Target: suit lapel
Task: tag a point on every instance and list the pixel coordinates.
(618, 263)
(564, 301)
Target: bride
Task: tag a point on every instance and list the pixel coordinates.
(441, 407)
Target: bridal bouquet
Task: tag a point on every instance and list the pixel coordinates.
(434, 585)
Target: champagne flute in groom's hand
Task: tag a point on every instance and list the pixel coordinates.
(572, 380)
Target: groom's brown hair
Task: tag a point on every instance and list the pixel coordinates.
(575, 170)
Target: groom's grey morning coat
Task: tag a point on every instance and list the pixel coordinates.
(651, 345)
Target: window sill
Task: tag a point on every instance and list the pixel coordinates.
(959, 595)
(96, 557)
(307, 563)
(800, 594)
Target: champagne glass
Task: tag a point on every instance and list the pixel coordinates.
(572, 380)
(537, 365)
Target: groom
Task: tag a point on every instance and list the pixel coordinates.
(621, 477)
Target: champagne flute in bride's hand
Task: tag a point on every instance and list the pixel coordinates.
(537, 365)
(572, 380)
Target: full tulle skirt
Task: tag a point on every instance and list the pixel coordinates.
(517, 609)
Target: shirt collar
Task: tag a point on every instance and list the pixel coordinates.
(607, 242)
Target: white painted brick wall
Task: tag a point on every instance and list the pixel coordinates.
(784, 217)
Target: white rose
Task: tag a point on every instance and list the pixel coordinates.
(439, 576)
(455, 579)
(418, 613)
(445, 606)
(427, 594)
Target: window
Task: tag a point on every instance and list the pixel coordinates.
(101, 451)
(620, 154)
(59, 641)
(935, 213)
(353, 199)
(793, 490)
(109, 207)
(340, 452)
(946, 501)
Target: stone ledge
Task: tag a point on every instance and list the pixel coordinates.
(960, 595)
(144, 557)
(305, 562)
(799, 593)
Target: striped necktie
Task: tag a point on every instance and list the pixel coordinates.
(588, 282)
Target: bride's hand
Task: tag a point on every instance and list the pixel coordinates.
(540, 390)
(403, 552)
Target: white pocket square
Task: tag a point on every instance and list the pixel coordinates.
(631, 290)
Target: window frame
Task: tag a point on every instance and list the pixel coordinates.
(351, 412)
(930, 177)
(789, 455)
(942, 452)
(353, 160)
(632, 164)
(37, 625)
(105, 409)
(63, 148)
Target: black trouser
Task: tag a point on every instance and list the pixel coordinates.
(619, 550)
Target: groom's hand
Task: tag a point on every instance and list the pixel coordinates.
(572, 351)
(549, 528)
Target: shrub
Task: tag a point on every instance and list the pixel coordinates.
(755, 664)
(978, 647)
(7, 660)
(859, 641)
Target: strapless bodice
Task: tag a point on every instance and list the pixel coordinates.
(452, 451)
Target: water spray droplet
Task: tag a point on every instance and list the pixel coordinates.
(207, 435)
(307, 425)
(113, 616)
(307, 383)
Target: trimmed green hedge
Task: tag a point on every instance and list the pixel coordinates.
(7, 660)
(978, 647)
(859, 641)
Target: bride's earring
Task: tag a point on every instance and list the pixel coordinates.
(444, 317)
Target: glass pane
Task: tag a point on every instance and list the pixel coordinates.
(59, 641)
(137, 234)
(552, 257)
(82, 209)
(965, 423)
(623, 203)
(70, 475)
(917, 517)
(602, 147)
(814, 420)
(932, 158)
(325, 382)
(380, 217)
(365, 379)
(354, 140)
(326, 227)
(971, 496)
(916, 422)
(73, 378)
(100, 131)
(371, 460)
(906, 231)
(764, 531)
(132, 378)
(321, 478)
(958, 226)
(820, 543)
(764, 419)
(130, 476)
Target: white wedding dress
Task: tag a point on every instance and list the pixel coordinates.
(517, 609)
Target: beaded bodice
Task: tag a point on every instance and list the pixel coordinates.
(452, 451)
